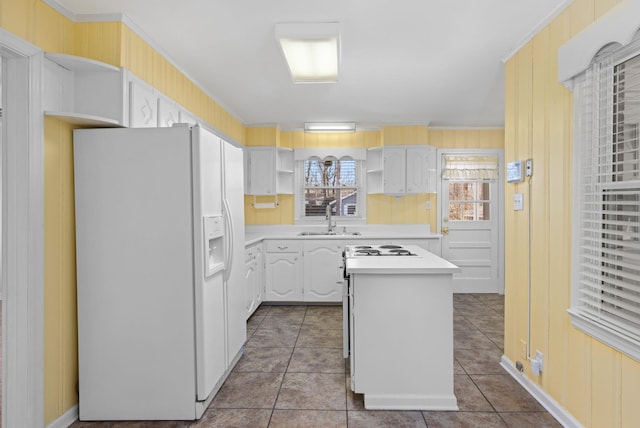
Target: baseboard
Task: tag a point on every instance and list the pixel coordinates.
(545, 400)
(66, 419)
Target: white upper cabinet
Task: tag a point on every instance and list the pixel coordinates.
(143, 105)
(168, 112)
(417, 176)
(400, 170)
(270, 171)
(394, 170)
(85, 92)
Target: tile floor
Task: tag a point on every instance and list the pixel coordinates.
(293, 375)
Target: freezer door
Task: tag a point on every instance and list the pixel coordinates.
(210, 349)
(209, 286)
(134, 273)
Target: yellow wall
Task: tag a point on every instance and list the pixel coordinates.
(596, 384)
(116, 44)
(381, 209)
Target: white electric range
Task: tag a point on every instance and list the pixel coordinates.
(386, 250)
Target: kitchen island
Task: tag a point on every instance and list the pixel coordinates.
(399, 321)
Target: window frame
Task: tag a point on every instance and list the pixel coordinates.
(299, 196)
(585, 132)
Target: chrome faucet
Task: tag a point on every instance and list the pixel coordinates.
(330, 225)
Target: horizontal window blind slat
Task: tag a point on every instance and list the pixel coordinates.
(607, 250)
(619, 324)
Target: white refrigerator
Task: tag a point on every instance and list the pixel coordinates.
(159, 250)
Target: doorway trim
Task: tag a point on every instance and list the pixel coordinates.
(501, 203)
(23, 233)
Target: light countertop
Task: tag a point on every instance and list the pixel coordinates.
(424, 263)
(254, 234)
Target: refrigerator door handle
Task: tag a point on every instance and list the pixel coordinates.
(229, 240)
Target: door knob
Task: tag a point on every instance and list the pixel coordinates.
(445, 230)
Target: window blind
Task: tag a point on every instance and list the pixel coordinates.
(608, 116)
(329, 182)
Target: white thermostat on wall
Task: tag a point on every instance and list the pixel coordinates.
(514, 172)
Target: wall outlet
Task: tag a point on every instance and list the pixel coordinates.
(518, 202)
(427, 205)
(540, 359)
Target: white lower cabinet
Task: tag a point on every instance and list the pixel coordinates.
(283, 271)
(322, 271)
(310, 270)
(254, 277)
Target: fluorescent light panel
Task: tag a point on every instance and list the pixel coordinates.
(334, 127)
(311, 50)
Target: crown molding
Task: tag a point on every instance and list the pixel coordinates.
(121, 17)
(537, 28)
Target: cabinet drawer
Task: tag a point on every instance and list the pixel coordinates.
(283, 246)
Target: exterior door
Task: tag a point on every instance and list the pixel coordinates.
(471, 227)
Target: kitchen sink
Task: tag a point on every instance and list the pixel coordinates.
(329, 234)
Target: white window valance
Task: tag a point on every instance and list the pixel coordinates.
(470, 167)
(336, 153)
(618, 25)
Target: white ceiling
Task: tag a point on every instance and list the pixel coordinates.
(432, 62)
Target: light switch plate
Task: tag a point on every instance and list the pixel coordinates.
(518, 202)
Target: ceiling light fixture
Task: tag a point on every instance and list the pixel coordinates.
(312, 50)
(334, 127)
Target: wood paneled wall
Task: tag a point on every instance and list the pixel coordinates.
(381, 209)
(115, 44)
(594, 383)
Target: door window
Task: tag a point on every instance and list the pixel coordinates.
(469, 201)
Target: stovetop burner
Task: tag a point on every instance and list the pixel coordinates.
(387, 250)
(400, 251)
(367, 252)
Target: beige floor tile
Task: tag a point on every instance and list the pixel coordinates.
(385, 419)
(530, 420)
(258, 359)
(237, 418)
(316, 338)
(463, 420)
(480, 361)
(308, 418)
(248, 391)
(470, 399)
(276, 337)
(316, 360)
(505, 394)
(312, 391)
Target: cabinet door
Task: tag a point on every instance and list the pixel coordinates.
(394, 170)
(262, 164)
(322, 273)
(259, 276)
(283, 277)
(417, 170)
(251, 281)
(168, 113)
(144, 106)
